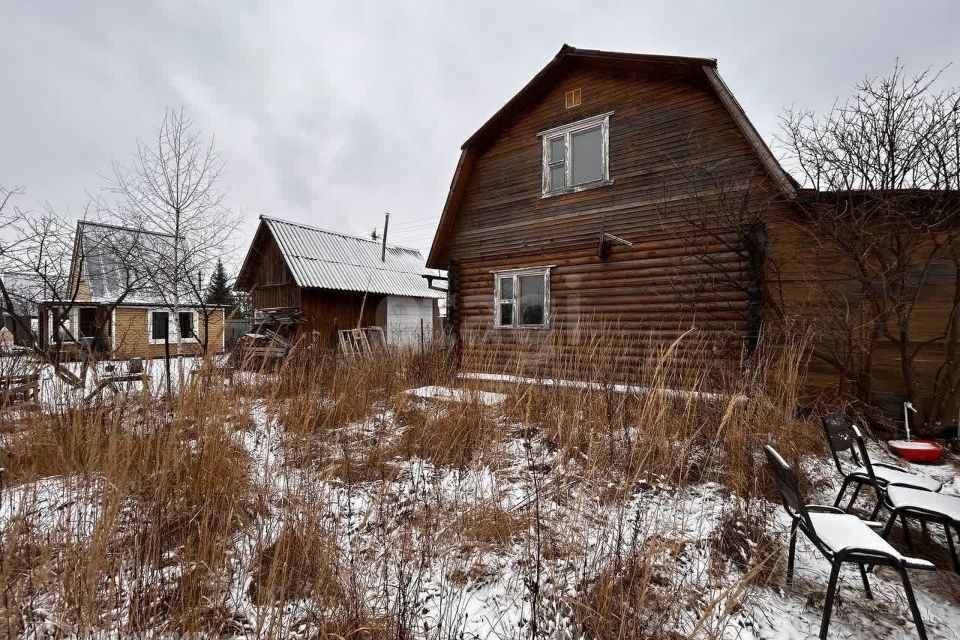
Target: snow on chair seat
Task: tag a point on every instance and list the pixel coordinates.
(892, 475)
(845, 532)
(928, 507)
(841, 538)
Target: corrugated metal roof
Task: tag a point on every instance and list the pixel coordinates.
(329, 260)
(120, 261)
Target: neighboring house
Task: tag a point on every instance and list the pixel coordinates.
(339, 281)
(118, 303)
(601, 143)
(25, 290)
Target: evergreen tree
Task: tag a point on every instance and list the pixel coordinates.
(220, 291)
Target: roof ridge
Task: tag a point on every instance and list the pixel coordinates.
(336, 233)
(122, 228)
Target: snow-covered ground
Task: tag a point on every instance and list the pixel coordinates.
(561, 532)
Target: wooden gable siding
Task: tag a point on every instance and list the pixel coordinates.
(273, 284)
(659, 131)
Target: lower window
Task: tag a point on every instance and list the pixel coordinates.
(522, 298)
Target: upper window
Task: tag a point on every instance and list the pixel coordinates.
(575, 156)
(522, 298)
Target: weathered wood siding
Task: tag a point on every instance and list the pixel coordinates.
(814, 286)
(659, 130)
(325, 312)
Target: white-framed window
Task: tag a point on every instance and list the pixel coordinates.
(521, 298)
(576, 155)
(160, 326)
(187, 325)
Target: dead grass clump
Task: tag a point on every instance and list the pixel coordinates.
(740, 539)
(487, 526)
(639, 599)
(301, 563)
(449, 434)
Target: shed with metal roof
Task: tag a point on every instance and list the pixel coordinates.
(340, 281)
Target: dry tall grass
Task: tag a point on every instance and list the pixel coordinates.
(320, 500)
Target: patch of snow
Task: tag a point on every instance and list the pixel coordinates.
(487, 398)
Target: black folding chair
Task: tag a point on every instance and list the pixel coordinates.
(909, 503)
(841, 538)
(842, 436)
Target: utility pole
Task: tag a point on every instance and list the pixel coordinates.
(383, 247)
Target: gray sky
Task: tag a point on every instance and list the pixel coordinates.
(332, 113)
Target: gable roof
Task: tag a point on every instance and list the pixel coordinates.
(120, 261)
(322, 259)
(540, 84)
(25, 291)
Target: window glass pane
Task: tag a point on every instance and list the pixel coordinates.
(506, 314)
(532, 299)
(557, 151)
(587, 155)
(506, 288)
(558, 177)
(159, 321)
(186, 325)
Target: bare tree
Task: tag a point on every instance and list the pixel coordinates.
(172, 186)
(41, 247)
(882, 213)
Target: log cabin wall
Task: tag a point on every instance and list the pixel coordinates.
(670, 279)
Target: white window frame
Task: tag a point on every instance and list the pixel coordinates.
(196, 328)
(150, 338)
(565, 132)
(515, 274)
(173, 326)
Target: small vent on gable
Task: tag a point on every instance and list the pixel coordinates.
(573, 98)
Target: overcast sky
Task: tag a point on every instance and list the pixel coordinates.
(332, 113)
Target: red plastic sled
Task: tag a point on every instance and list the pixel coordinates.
(917, 450)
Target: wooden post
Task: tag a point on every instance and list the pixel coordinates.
(421, 336)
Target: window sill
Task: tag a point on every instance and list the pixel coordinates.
(174, 342)
(577, 189)
(522, 327)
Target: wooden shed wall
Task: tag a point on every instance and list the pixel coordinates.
(809, 282)
(131, 337)
(325, 312)
(659, 131)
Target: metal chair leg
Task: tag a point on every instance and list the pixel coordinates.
(953, 547)
(876, 509)
(866, 583)
(792, 556)
(828, 603)
(853, 498)
(843, 490)
(906, 532)
(908, 589)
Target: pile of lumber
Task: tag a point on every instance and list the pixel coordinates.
(363, 341)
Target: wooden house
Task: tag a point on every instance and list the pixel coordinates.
(571, 209)
(631, 191)
(118, 304)
(339, 281)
